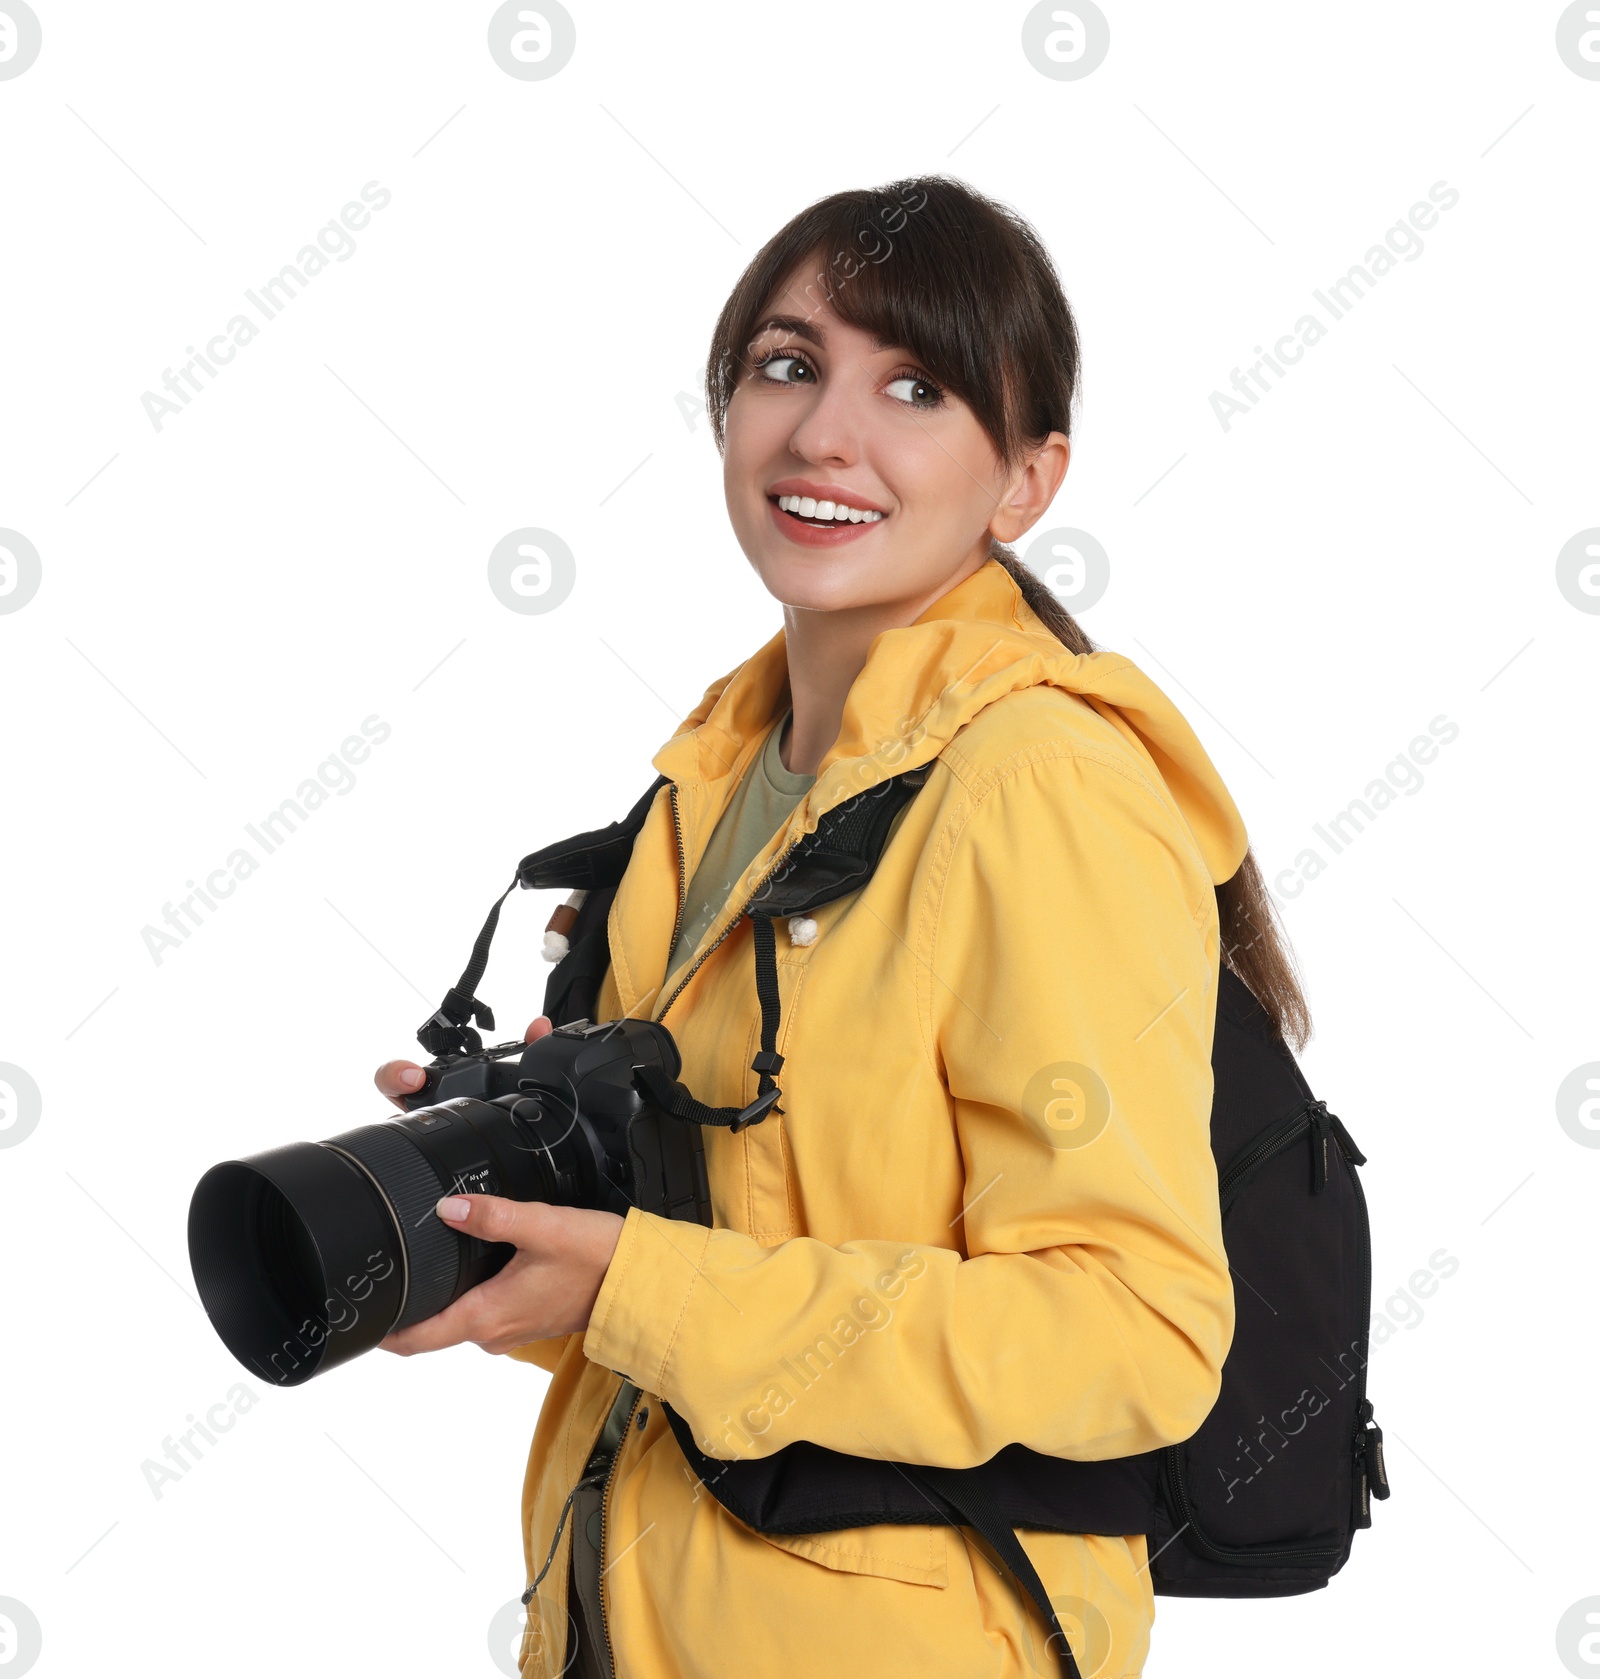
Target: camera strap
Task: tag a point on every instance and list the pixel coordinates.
(674, 1098)
(586, 861)
(445, 1032)
(837, 858)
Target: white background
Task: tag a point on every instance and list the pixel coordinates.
(522, 331)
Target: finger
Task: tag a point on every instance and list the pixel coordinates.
(399, 1078)
(539, 1028)
(449, 1328)
(493, 1218)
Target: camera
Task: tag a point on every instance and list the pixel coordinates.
(308, 1255)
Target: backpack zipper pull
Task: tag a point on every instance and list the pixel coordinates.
(1318, 1133)
(1346, 1141)
(1371, 1443)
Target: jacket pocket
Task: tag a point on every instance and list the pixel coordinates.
(892, 1550)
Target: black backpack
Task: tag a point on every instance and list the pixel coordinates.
(1264, 1500)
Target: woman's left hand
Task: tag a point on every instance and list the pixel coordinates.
(548, 1287)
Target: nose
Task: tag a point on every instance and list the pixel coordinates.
(830, 429)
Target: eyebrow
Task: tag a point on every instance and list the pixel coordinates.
(803, 328)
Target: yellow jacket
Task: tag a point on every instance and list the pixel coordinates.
(988, 1212)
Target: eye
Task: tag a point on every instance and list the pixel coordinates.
(788, 364)
(915, 390)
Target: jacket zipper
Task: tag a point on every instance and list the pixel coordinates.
(695, 966)
(683, 895)
(1312, 1116)
(605, 1494)
(683, 866)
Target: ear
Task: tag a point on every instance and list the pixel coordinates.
(1032, 489)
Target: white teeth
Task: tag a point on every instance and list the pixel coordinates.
(808, 507)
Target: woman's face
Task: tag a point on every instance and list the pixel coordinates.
(824, 412)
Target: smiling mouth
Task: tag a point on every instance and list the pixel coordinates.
(824, 515)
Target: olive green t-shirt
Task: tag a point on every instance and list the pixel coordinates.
(761, 804)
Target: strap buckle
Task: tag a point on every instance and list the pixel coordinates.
(756, 1110)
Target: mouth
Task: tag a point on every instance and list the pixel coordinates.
(815, 523)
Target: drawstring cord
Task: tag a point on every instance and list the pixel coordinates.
(556, 1540)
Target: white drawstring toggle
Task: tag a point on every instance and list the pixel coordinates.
(556, 943)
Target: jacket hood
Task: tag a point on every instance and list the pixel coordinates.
(923, 682)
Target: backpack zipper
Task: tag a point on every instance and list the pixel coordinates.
(1310, 1117)
(1366, 1441)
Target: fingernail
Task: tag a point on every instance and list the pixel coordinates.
(454, 1206)
(413, 1078)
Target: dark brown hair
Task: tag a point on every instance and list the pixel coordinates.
(964, 284)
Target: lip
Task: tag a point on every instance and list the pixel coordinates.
(823, 492)
(820, 536)
(817, 536)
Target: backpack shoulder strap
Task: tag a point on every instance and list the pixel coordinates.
(597, 858)
(841, 854)
(838, 857)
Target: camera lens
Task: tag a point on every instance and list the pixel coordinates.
(307, 1256)
(288, 1255)
(297, 1259)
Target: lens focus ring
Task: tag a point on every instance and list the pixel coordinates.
(409, 1183)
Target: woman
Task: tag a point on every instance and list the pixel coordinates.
(987, 1211)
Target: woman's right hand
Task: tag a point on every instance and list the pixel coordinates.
(397, 1079)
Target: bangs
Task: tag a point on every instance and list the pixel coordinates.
(957, 281)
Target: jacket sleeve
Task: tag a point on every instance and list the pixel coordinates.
(546, 1354)
(1069, 1004)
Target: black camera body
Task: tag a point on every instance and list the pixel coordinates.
(584, 1133)
(310, 1254)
